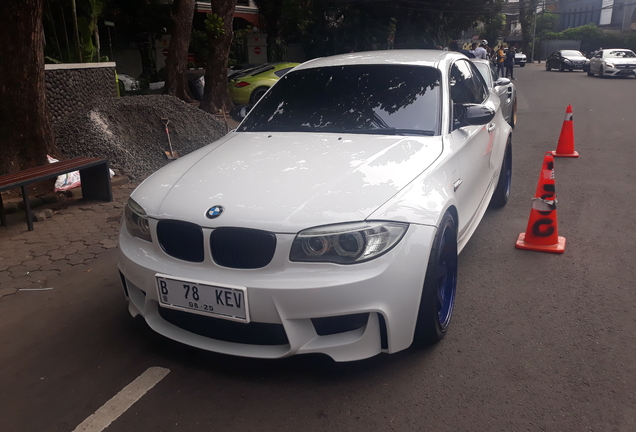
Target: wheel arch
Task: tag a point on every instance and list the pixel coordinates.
(260, 88)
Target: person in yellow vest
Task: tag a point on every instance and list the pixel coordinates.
(501, 57)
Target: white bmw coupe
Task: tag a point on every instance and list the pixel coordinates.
(330, 221)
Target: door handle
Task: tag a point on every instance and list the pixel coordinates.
(491, 127)
(457, 184)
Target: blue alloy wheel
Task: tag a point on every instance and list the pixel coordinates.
(438, 293)
(447, 275)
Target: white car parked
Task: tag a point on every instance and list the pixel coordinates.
(613, 62)
(330, 221)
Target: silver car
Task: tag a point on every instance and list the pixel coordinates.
(502, 87)
(613, 62)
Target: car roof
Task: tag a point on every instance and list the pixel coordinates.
(429, 58)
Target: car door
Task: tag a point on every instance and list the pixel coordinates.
(504, 92)
(595, 62)
(549, 61)
(472, 145)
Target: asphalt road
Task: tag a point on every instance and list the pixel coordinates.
(539, 342)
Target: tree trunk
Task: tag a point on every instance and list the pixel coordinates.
(25, 130)
(216, 95)
(527, 9)
(178, 50)
(272, 10)
(146, 46)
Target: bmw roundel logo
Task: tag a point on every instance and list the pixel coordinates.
(214, 212)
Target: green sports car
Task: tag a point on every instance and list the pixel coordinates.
(249, 85)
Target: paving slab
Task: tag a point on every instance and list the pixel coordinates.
(78, 232)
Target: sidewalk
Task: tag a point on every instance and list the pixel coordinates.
(77, 233)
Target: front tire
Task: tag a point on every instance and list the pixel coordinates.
(522, 65)
(601, 74)
(440, 284)
(502, 191)
(547, 67)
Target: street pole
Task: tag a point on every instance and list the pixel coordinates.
(542, 29)
(534, 37)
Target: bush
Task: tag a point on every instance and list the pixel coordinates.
(592, 38)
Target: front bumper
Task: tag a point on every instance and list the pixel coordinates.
(348, 312)
(579, 66)
(619, 71)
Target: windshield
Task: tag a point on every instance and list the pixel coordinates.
(571, 53)
(380, 99)
(621, 54)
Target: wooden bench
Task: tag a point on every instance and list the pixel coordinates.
(94, 174)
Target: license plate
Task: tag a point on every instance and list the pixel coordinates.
(222, 301)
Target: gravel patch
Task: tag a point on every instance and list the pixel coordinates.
(129, 132)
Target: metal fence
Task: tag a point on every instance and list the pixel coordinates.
(550, 46)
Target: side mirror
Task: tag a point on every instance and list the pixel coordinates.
(502, 82)
(473, 114)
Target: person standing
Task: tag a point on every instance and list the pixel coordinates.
(509, 62)
(454, 46)
(501, 57)
(480, 51)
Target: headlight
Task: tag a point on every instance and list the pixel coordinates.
(610, 64)
(136, 221)
(346, 243)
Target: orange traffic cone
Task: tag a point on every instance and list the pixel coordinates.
(542, 233)
(565, 147)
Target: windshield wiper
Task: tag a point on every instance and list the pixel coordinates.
(375, 131)
(379, 131)
(392, 131)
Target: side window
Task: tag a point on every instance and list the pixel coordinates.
(494, 74)
(280, 73)
(467, 86)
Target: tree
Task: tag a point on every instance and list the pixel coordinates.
(216, 95)
(145, 20)
(25, 130)
(493, 27)
(527, 9)
(272, 11)
(183, 12)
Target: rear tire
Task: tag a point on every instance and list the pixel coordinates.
(590, 73)
(547, 67)
(440, 284)
(502, 191)
(522, 65)
(257, 94)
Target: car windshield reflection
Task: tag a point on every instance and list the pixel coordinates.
(366, 99)
(621, 54)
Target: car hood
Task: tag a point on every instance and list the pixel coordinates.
(284, 182)
(576, 58)
(621, 61)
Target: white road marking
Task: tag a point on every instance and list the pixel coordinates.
(123, 400)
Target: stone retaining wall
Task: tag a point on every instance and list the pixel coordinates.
(70, 87)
